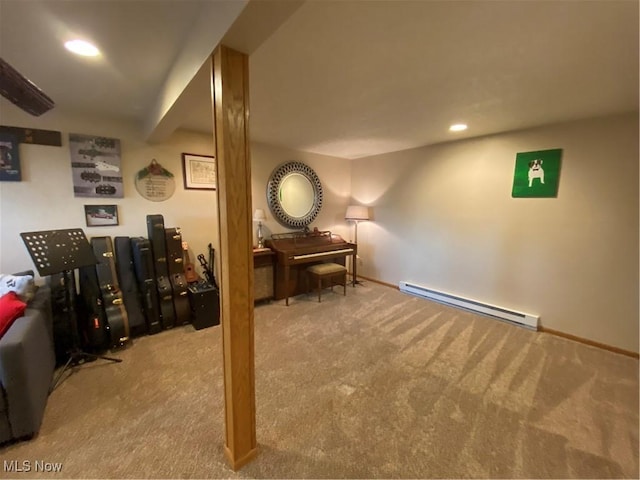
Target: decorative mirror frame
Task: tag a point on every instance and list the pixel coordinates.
(273, 188)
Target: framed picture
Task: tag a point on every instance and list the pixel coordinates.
(101, 215)
(9, 159)
(199, 171)
(95, 166)
(537, 174)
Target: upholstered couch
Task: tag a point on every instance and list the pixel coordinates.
(27, 362)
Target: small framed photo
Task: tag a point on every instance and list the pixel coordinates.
(9, 159)
(199, 171)
(101, 215)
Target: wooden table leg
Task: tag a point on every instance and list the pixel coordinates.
(286, 285)
(354, 260)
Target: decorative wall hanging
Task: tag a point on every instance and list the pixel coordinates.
(34, 135)
(294, 194)
(537, 174)
(9, 158)
(95, 165)
(155, 183)
(101, 215)
(199, 172)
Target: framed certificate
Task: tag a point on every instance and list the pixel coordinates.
(199, 171)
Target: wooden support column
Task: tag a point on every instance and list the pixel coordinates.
(231, 120)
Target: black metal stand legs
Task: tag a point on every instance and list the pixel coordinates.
(78, 357)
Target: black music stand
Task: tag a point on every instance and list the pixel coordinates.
(62, 251)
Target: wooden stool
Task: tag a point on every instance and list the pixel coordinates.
(327, 270)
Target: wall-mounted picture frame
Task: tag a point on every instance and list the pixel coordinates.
(199, 171)
(95, 166)
(101, 215)
(9, 158)
(537, 174)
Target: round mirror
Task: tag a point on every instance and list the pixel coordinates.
(294, 194)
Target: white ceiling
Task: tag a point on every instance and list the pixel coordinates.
(139, 44)
(348, 79)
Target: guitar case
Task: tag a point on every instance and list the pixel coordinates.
(155, 230)
(112, 300)
(146, 277)
(129, 286)
(179, 285)
(93, 328)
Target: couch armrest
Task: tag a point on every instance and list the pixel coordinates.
(27, 362)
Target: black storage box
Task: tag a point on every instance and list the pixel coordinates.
(205, 305)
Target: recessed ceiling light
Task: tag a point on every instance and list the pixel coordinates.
(80, 47)
(458, 127)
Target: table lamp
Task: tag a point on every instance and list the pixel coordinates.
(259, 216)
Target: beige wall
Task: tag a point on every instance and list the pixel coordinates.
(334, 174)
(444, 218)
(44, 200)
(443, 215)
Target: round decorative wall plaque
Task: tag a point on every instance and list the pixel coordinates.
(155, 182)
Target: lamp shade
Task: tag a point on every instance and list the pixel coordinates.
(259, 215)
(357, 212)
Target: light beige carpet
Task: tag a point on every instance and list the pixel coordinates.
(376, 384)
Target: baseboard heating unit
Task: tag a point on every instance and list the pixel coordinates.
(521, 319)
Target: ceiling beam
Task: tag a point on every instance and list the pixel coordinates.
(184, 96)
(214, 21)
(257, 22)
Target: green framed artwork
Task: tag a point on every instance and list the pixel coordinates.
(537, 174)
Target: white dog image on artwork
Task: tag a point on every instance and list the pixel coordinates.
(536, 171)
